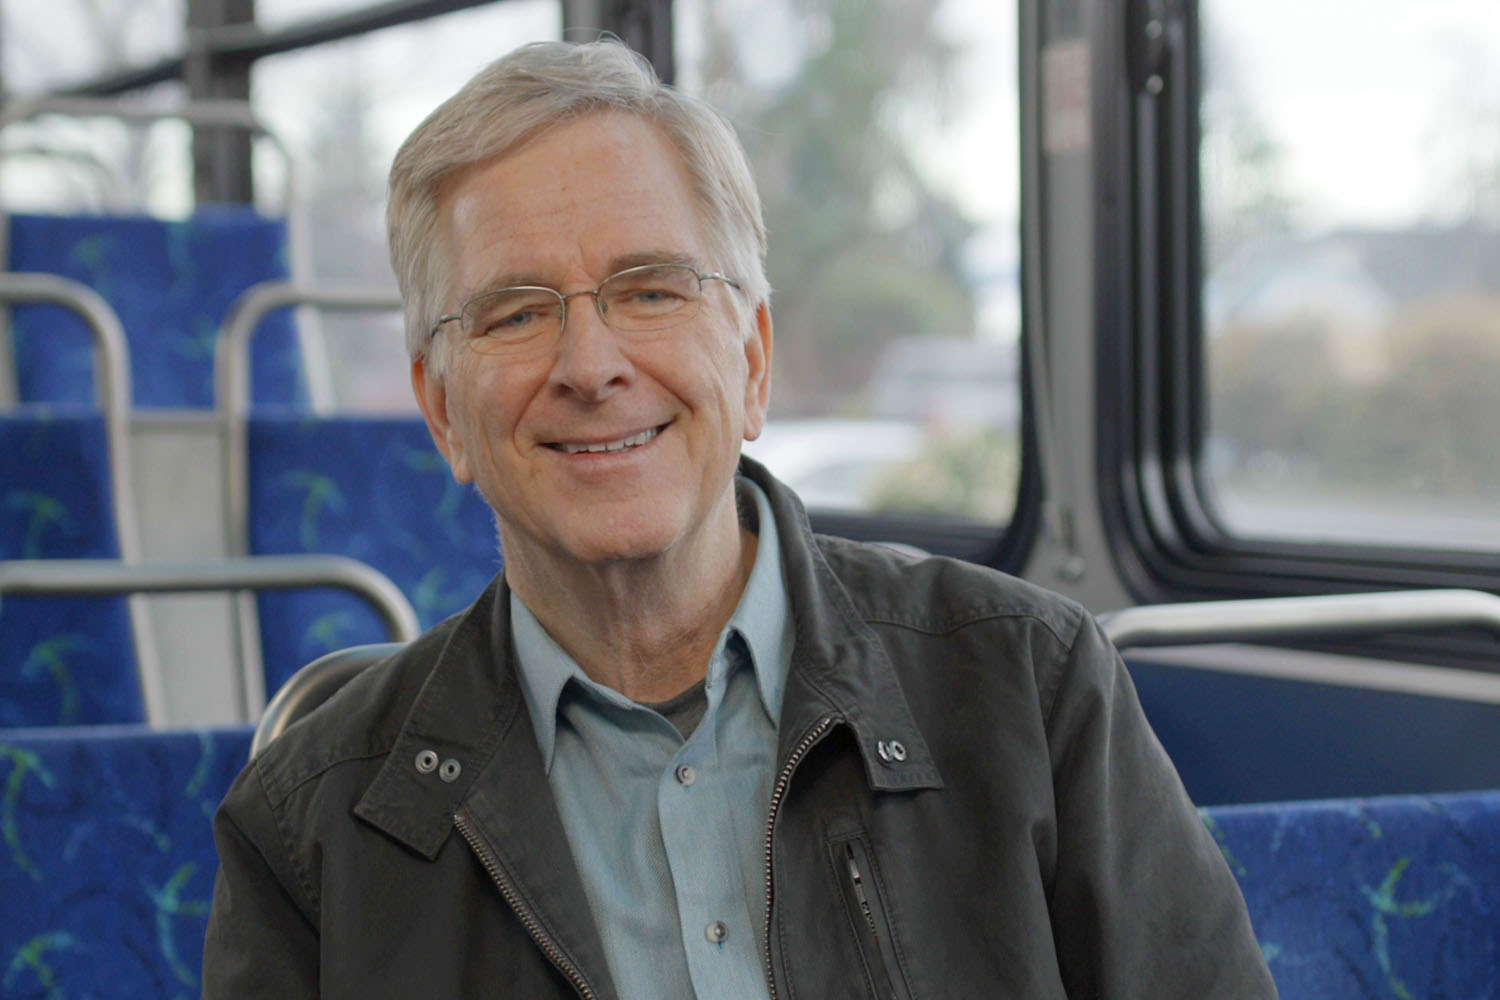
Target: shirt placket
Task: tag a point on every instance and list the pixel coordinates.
(719, 931)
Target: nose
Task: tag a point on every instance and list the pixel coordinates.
(590, 362)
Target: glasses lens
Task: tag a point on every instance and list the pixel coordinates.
(511, 317)
(650, 298)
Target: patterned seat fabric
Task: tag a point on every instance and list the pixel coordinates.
(373, 489)
(107, 863)
(171, 284)
(64, 660)
(1378, 898)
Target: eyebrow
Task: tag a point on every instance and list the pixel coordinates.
(642, 258)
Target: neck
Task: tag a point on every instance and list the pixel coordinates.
(644, 627)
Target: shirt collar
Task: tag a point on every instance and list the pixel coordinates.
(761, 618)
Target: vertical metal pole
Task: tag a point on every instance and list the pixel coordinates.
(644, 25)
(582, 20)
(221, 157)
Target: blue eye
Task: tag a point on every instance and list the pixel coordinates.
(509, 314)
(517, 319)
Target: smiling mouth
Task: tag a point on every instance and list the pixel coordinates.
(608, 447)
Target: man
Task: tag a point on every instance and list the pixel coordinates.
(684, 748)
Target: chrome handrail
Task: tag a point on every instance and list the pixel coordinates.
(232, 403)
(207, 113)
(311, 686)
(1266, 618)
(232, 378)
(108, 576)
(112, 376)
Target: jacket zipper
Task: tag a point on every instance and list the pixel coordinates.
(778, 791)
(528, 919)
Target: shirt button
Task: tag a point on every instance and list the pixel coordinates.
(686, 775)
(716, 932)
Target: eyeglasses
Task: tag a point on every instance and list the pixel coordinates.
(645, 299)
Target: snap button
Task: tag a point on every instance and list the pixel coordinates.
(686, 775)
(716, 932)
(898, 750)
(427, 761)
(892, 751)
(450, 770)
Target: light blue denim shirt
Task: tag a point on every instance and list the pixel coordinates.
(669, 835)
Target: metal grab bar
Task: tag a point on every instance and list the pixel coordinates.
(232, 403)
(311, 686)
(1286, 617)
(232, 350)
(112, 376)
(106, 576)
(205, 113)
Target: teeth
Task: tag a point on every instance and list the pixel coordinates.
(635, 440)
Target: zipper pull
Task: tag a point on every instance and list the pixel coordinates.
(859, 885)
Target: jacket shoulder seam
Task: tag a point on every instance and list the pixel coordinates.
(281, 786)
(1048, 691)
(304, 877)
(972, 616)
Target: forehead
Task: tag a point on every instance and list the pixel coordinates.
(568, 202)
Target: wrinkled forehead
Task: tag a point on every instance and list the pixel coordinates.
(574, 203)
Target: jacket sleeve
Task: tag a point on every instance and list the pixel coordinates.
(262, 938)
(1143, 903)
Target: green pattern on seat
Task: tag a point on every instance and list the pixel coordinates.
(1382, 898)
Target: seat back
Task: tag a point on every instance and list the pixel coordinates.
(1391, 897)
(1238, 736)
(107, 864)
(374, 489)
(63, 661)
(172, 284)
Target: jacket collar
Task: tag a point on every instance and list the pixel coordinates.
(468, 708)
(839, 666)
(471, 709)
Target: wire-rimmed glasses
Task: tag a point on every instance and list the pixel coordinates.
(638, 300)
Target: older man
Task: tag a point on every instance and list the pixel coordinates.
(685, 748)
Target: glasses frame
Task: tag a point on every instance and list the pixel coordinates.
(562, 297)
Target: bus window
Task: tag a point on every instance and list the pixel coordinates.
(344, 112)
(1350, 186)
(885, 141)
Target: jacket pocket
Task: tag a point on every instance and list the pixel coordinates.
(867, 918)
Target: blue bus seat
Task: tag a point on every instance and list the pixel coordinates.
(373, 489)
(63, 661)
(107, 866)
(1241, 737)
(1386, 897)
(171, 283)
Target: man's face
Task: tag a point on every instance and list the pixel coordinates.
(566, 211)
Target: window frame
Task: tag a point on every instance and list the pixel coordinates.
(1156, 506)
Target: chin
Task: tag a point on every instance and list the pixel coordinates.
(620, 540)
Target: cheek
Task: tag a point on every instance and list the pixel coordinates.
(480, 418)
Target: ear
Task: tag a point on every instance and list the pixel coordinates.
(432, 397)
(758, 372)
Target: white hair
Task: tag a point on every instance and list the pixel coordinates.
(537, 87)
